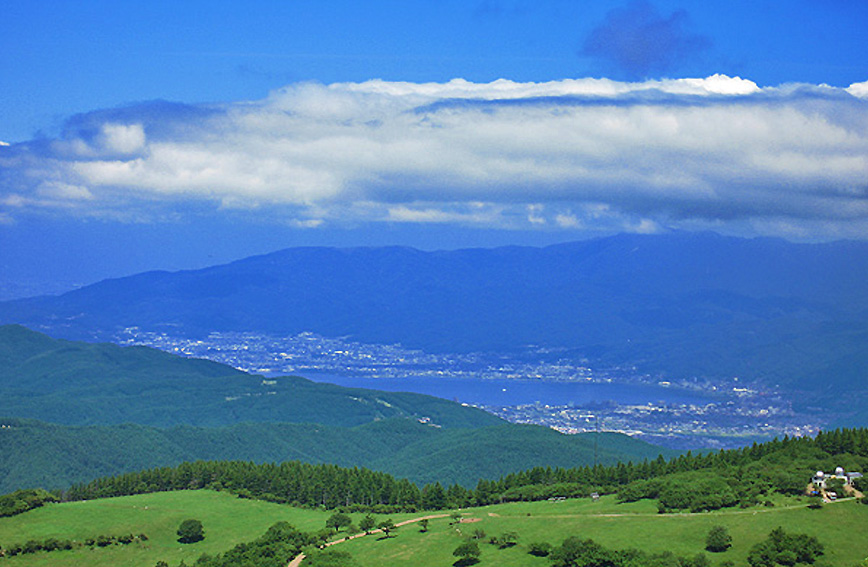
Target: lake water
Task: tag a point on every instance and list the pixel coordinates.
(517, 392)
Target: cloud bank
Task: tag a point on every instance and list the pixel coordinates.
(585, 154)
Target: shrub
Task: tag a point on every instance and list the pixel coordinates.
(539, 548)
(781, 548)
(190, 531)
(718, 539)
(468, 552)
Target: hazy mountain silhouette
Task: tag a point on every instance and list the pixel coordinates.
(682, 303)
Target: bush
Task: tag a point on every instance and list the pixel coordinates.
(718, 539)
(539, 548)
(190, 531)
(507, 539)
(468, 552)
(781, 548)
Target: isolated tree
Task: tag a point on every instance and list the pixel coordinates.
(190, 531)
(367, 524)
(388, 526)
(506, 539)
(718, 539)
(467, 552)
(338, 520)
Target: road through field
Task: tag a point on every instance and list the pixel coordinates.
(300, 557)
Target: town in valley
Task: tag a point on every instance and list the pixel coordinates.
(725, 413)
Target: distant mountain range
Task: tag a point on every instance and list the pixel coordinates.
(683, 304)
(123, 392)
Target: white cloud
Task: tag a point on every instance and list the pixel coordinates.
(534, 214)
(859, 89)
(566, 220)
(575, 154)
(63, 191)
(123, 138)
(473, 214)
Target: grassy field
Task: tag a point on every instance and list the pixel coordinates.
(840, 527)
(228, 520)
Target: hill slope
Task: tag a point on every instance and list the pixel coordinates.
(686, 304)
(49, 455)
(229, 520)
(80, 383)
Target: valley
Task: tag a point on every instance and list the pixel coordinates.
(521, 387)
(494, 283)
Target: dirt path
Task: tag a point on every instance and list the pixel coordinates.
(721, 512)
(296, 561)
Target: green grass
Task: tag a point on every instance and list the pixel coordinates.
(840, 527)
(229, 520)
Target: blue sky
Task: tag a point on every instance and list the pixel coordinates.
(145, 135)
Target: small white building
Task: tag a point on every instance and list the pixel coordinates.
(820, 478)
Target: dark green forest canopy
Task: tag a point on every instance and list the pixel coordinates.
(55, 456)
(778, 466)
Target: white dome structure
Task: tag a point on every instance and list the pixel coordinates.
(839, 471)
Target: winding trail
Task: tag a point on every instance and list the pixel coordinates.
(296, 561)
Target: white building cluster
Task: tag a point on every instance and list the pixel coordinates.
(820, 478)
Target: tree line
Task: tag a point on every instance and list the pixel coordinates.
(715, 479)
(54, 544)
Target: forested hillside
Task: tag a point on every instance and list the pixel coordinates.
(56, 456)
(766, 520)
(74, 382)
(124, 392)
(740, 477)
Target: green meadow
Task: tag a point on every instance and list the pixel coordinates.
(840, 527)
(229, 520)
